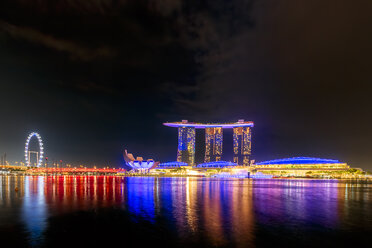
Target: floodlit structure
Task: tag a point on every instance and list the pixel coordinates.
(302, 162)
(171, 165)
(139, 163)
(186, 145)
(242, 145)
(217, 164)
(213, 141)
(301, 165)
(213, 144)
(39, 155)
(260, 175)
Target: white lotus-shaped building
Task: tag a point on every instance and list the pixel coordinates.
(139, 163)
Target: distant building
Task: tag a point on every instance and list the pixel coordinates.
(217, 164)
(139, 163)
(301, 165)
(213, 144)
(171, 165)
(186, 145)
(242, 145)
(213, 141)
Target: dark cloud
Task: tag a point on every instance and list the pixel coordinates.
(73, 49)
(301, 73)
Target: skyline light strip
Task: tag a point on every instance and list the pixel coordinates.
(203, 126)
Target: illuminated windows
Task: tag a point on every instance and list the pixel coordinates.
(242, 145)
(213, 144)
(186, 145)
(213, 141)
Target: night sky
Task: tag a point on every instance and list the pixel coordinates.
(96, 76)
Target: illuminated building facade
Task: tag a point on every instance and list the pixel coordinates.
(138, 163)
(302, 162)
(171, 165)
(213, 144)
(242, 145)
(216, 164)
(301, 166)
(186, 145)
(213, 141)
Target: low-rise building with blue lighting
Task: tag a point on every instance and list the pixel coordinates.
(301, 165)
(171, 165)
(217, 164)
(302, 162)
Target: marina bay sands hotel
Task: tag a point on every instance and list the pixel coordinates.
(213, 141)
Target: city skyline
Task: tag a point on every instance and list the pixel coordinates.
(93, 86)
(176, 123)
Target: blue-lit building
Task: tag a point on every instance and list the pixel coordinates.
(186, 145)
(138, 164)
(301, 165)
(213, 141)
(217, 164)
(171, 165)
(306, 161)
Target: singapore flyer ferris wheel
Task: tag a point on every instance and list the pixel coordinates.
(39, 155)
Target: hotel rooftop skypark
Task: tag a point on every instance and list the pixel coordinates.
(242, 131)
(241, 161)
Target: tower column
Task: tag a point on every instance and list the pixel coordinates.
(186, 145)
(213, 144)
(242, 145)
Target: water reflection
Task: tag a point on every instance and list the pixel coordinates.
(141, 194)
(34, 209)
(216, 212)
(310, 202)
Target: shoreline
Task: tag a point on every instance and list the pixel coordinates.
(196, 176)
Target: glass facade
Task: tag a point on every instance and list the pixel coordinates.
(242, 145)
(186, 145)
(216, 164)
(213, 144)
(170, 165)
(302, 163)
(213, 141)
